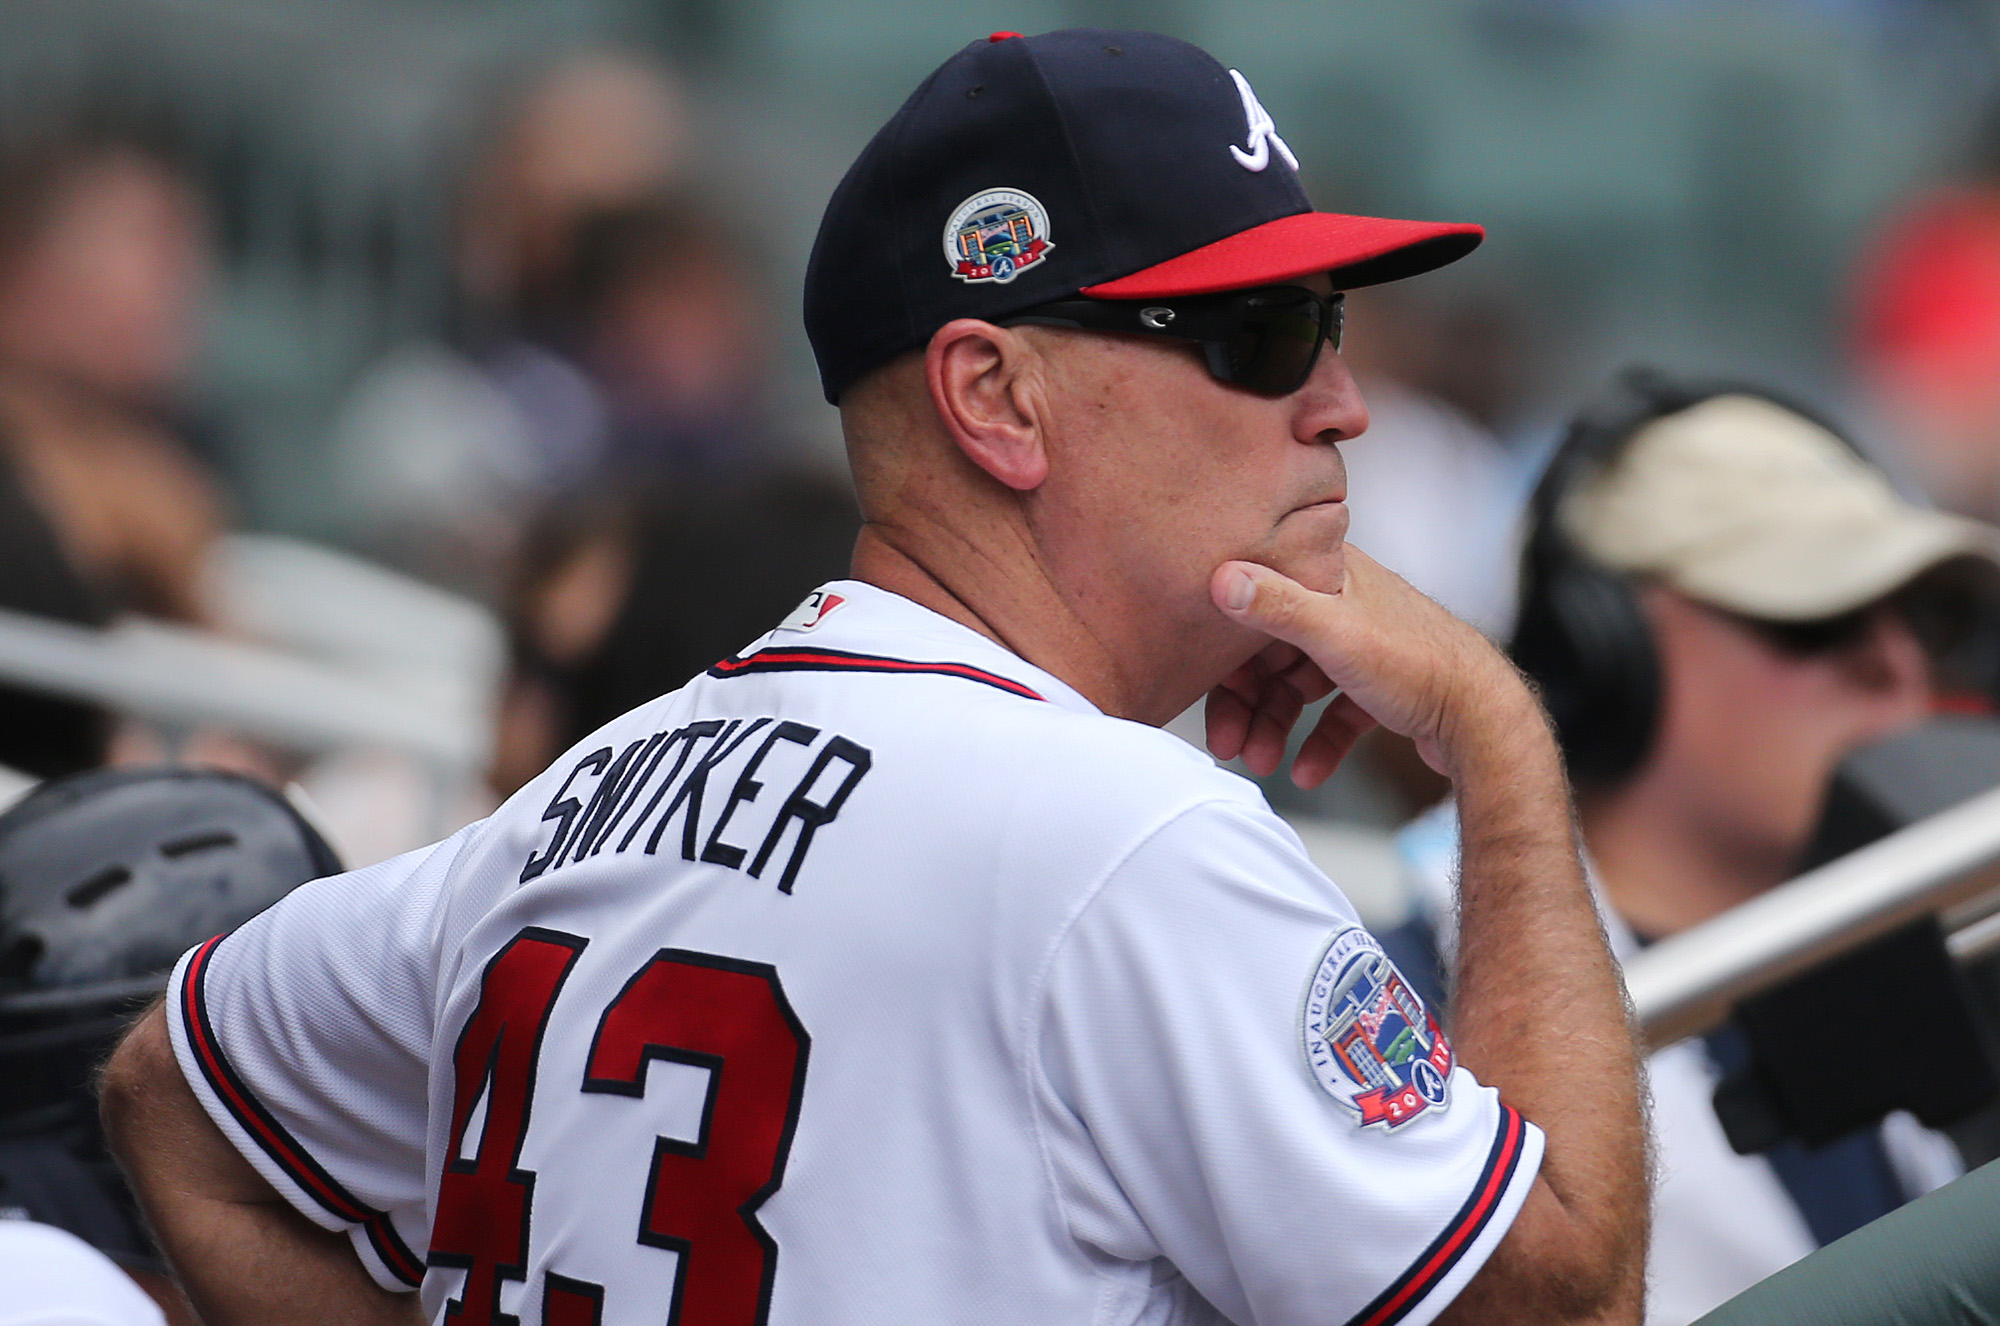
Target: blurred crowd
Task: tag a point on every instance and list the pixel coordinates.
(585, 451)
(583, 448)
(609, 329)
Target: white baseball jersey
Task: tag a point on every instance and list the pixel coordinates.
(873, 976)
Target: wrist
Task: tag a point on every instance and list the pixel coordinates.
(1499, 732)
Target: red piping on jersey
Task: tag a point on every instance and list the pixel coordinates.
(840, 660)
(283, 1149)
(1444, 1252)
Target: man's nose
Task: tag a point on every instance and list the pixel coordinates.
(1329, 407)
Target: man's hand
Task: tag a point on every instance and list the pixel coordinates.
(1397, 658)
(1538, 1010)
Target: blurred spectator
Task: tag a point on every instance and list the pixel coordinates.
(619, 599)
(447, 447)
(593, 130)
(42, 736)
(1929, 343)
(671, 326)
(102, 272)
(103, 510)
(1721, 599)
(1927, 330)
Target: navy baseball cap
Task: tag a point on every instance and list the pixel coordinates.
(1119, 165)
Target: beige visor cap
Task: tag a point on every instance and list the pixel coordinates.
(1748, 507)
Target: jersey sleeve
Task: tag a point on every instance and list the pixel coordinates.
(1234, 1078)
(306, 1035)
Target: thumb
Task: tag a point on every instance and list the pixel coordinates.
(1267, 601)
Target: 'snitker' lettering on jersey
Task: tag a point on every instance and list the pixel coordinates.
(599, 794)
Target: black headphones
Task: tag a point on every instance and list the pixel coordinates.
(1580, 632)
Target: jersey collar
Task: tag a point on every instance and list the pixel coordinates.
(852, 625)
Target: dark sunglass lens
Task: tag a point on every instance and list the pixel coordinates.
(1276, 342)
(1826, 635)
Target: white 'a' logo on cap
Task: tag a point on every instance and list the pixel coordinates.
(1256, 153)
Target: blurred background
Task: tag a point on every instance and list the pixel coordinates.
(359, 188)
(495, 297)
(393, 391)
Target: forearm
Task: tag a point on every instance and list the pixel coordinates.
(1538, 1008)
(242, 1253)
(265, 1263)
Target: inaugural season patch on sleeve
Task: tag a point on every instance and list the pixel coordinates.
(1369, 1039)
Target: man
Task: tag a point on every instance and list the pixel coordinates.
(1722, 598)
(974, 996)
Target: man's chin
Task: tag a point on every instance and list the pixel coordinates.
(1320, 568)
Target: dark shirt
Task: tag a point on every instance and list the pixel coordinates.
(44, 1180)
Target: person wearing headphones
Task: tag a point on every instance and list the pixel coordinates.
(1721, 598)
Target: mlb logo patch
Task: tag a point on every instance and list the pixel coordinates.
(1369, 1039)
(812, 612)
(996, 235)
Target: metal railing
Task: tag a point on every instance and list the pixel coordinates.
(184, 678)
(1947, 864)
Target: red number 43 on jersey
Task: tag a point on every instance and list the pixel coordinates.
(700, 1198)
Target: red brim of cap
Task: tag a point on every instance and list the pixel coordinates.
(1353, 250)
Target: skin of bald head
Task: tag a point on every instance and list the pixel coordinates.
(1069, 494)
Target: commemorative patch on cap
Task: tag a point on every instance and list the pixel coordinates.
(1369, 1039)
(996, 235)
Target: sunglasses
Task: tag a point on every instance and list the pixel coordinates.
(1825, 635)
(1264, 340)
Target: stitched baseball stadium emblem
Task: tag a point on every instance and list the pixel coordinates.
(996, 235)
(1369, 1039)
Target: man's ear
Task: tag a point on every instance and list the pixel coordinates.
(984, 389)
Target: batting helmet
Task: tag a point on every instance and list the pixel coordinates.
(106, 877)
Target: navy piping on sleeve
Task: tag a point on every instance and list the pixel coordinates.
(840, 660)
(1396, 1302)
(283, 1149)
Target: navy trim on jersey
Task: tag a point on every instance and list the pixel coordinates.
(840, 660)
(1399, 1299)
(277, 1143)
